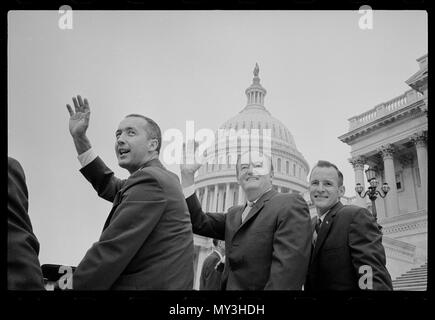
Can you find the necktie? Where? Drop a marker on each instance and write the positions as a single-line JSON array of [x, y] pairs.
[[318, 224], [246, 211], [317, 229]]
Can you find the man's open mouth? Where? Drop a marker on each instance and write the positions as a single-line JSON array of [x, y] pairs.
[[123, 152]]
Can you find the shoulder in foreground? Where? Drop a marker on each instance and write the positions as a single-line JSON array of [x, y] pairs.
[[145, 175], [13, 162], [354, 210], [157, 171], [288, 197], [14, 165]]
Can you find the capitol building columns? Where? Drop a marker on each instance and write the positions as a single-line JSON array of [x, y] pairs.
[[228, 198], [204, 199], [392, 200], [420, 141], [358, 166]]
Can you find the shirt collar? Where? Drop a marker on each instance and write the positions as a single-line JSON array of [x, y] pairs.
[[322, 217]]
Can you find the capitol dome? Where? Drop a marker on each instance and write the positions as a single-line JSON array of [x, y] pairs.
[[216, 183]]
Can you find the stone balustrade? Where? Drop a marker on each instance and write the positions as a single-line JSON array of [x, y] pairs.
[[384, 108]]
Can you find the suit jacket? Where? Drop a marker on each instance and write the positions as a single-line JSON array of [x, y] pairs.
[[348, 239], [147, 240], [211, 279], [270, 250], [24, 269]]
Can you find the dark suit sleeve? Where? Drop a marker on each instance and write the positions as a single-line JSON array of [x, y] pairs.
[[291, 247], [102, 179], [135, 217], [210, 225], [365, 242], [24, 269]]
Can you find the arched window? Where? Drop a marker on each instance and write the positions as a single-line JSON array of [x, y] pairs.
[[279, 165], [287, 167]]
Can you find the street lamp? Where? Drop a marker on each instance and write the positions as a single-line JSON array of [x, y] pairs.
[[372, 191]]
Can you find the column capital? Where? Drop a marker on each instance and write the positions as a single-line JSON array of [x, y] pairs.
[[386, 151], [358, 162], [406, 160], [419, 139]]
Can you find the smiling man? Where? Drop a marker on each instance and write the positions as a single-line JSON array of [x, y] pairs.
[[347, 244], [267, 239], [147, 240]]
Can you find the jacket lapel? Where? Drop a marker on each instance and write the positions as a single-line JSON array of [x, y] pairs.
[[326, 226], [152, 163], [255, 209], [238, 216]]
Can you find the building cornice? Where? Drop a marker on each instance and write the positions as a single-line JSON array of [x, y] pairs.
[[408, 111]]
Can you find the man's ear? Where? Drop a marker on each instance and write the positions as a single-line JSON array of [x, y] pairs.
[[153, 144], [341, 191]]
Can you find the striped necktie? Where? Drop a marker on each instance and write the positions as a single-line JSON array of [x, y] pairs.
[[316, 230]]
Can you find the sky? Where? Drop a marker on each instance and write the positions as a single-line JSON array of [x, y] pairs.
[[319, 69]]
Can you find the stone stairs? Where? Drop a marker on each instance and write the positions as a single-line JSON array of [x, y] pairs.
[[413, 280]]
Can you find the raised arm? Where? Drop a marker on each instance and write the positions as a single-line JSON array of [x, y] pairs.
[[94, 169], [79, 123], [208, 224], [205, 224]]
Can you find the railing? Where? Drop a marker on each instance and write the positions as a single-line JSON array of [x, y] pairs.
[[385, 108]]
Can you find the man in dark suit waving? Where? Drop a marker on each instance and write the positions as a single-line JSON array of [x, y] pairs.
[[267, 239], [147, 240], [348, 253]]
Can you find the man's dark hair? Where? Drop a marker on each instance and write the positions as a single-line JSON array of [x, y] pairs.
[[327, 164], [152, 129]]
